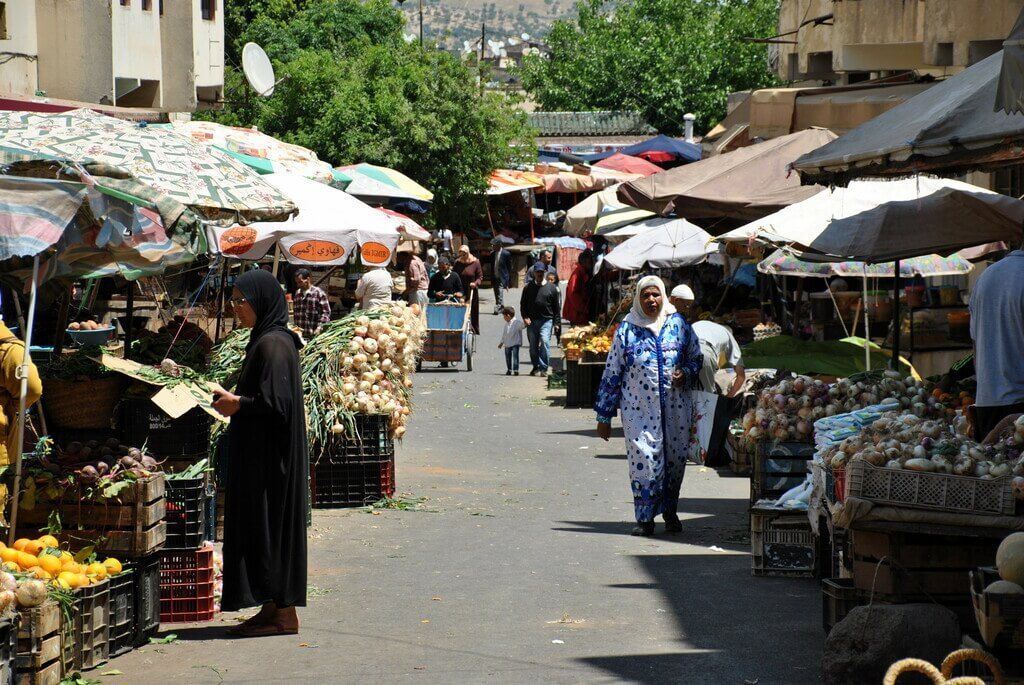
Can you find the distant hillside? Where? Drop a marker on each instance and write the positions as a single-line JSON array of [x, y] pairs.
[[450, 22]]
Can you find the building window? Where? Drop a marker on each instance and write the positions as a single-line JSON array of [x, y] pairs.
[[147, 5], [793, 66], [3, 21], [978, 50], [209, 9], [126, 3], [1009, 181], [944, 54]]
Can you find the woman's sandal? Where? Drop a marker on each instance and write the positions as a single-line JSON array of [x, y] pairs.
[[672, 523], [644, 529]]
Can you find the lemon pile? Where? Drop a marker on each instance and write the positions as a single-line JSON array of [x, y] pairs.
[[43, 559]]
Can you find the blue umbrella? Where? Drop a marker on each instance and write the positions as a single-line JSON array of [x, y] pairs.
[[660, 147]]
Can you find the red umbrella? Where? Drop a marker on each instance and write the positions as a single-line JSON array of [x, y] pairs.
[[407, 227], [630, 165]]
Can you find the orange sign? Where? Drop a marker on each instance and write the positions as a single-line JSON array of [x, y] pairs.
[[375, 253], [317, 251], [237, 240]]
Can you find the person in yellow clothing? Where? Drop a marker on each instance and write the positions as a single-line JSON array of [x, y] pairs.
[[12, 355]]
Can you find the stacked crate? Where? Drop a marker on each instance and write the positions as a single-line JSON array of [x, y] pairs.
[[779, 467], [356, 470], [38, 660]]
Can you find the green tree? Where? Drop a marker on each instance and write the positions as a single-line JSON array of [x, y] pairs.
[[662, 58], [355, 91]]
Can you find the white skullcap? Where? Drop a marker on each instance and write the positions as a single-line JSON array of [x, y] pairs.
[[682, 292]]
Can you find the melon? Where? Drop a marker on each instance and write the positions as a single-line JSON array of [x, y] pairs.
[[1010, 558], [1004, 587]]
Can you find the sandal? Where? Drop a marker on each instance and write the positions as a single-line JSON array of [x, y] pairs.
[[672, 523]]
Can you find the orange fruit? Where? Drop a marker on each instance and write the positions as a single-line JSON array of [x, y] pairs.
[[33, 547], [82, 580], [26, 560], [11, 567], [113, 566], [63, 583], [65, 558], [3, 546], [20, 543], [97, 569], [8, 554], [49, 541], [50, 564]]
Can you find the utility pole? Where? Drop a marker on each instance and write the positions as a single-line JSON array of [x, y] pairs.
[[480, 62], [421, 24]]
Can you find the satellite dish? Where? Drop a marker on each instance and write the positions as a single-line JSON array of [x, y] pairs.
[[259, 72]]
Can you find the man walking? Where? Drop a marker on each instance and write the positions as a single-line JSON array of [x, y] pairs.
[[501, 273], [539, 306], [310, 305]]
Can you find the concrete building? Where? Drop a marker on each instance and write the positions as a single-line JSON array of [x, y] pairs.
[[159, 54], [848, 41]]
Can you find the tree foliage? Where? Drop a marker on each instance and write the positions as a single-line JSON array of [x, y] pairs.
[[355, 91], [662, 58]]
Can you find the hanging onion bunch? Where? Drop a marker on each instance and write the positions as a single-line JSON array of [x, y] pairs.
[[788, 410], [361, 364]]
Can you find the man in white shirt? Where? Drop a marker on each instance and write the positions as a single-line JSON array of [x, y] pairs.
[[445, 237], [717, 344], [374, 288]]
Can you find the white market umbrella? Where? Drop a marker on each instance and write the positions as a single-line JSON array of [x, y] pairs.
[[664, 244], [328, 228]]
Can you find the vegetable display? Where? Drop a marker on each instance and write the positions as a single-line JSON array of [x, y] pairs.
[[78, 365], [361, 364], [788, 410], [907, 441]]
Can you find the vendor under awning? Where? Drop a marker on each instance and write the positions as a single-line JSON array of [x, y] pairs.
[[997, 328]]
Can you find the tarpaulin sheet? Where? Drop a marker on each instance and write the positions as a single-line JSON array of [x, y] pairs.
[[830, 358]]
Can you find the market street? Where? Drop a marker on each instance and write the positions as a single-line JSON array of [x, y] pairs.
[[519, 568]]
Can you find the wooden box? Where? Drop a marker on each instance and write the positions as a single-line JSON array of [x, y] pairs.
[[39, 645]]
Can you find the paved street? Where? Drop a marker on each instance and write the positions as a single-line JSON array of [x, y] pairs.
[[519, 567]]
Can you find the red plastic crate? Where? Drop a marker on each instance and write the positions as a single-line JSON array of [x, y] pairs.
[[186, 586]]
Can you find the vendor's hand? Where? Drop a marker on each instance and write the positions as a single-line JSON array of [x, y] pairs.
[[1000, 429], [604, 431], [678, 378], [526, 322], [500, 345], [226, 403]]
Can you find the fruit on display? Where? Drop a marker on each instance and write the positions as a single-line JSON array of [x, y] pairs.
[[93, 464], [1010, 558]]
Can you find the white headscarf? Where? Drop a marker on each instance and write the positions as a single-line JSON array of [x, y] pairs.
[[637, 317]]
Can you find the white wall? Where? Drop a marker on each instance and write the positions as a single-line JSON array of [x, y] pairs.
[[18, 76], [136, 40], [208, 46]]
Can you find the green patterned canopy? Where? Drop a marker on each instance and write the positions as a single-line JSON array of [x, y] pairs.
[[121, 153]]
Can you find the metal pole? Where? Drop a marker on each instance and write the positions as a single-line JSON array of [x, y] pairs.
[[867, 326], [23, 371], [129, 325], [896, 317]]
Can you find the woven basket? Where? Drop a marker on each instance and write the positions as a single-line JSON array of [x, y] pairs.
[[82, 404]]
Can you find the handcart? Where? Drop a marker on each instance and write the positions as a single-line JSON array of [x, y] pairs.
[[449, 335]]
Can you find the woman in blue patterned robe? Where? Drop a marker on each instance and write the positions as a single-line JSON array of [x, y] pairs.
[[652, 345]]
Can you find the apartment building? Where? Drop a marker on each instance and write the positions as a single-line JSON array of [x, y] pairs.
[[848, 41], [159, 54]]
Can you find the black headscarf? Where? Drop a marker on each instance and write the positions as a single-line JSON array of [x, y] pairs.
[[264, 295]]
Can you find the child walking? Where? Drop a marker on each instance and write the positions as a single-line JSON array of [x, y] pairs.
[[511, 340]]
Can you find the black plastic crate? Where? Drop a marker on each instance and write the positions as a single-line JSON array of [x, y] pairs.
[[186, 512], [210, 531], [143, 423], [371, 442], [779, 467], [838, 598], [8, 650], [146, 598], [89, 643], [351, 484], [122, 612], [581, 384]]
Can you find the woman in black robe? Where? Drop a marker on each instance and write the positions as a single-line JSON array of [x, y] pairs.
[[268, 466]]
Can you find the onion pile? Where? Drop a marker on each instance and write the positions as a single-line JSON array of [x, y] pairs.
[[361, 364], [907, 441], [788, 410]]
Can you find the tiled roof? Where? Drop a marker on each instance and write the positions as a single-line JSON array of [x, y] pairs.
[[590, 124]]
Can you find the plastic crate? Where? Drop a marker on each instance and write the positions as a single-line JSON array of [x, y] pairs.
[[186, 586], [146, 598], [8, 651], [782, 543], [122, 612], [143, 423], [581, 384], [88, 645], [372, 442], [352, 484], [936, 491], [778, 467], [186, 512], [838, 598], [210, 531]]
